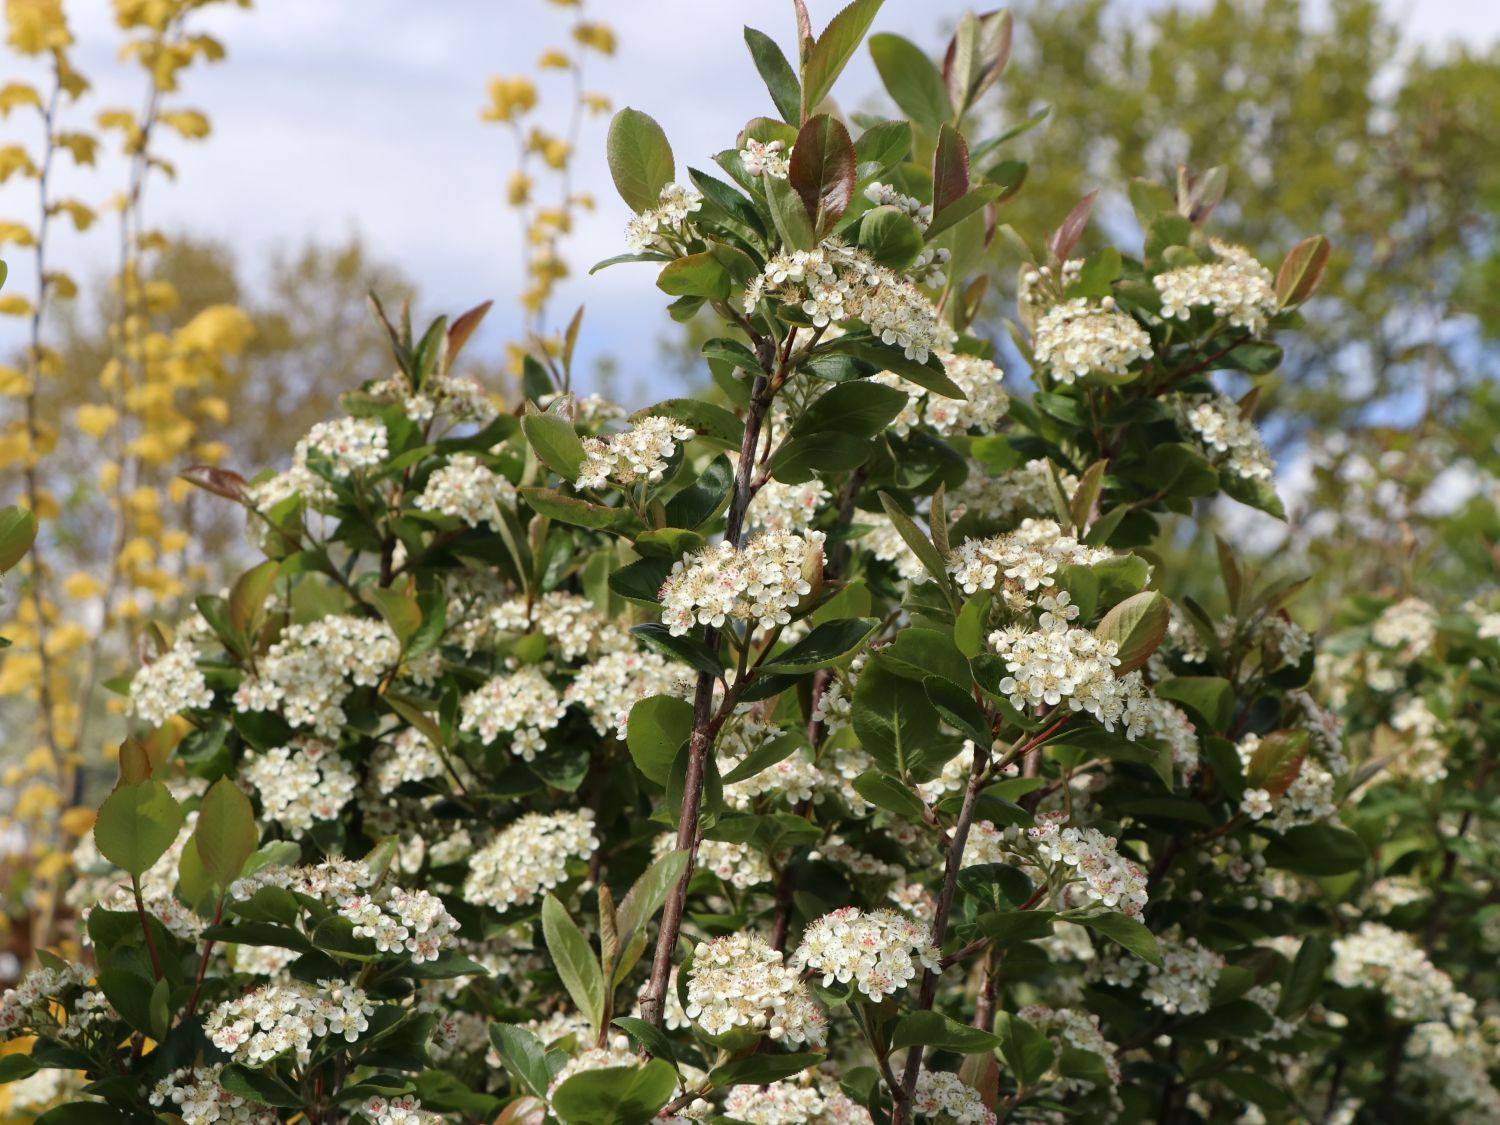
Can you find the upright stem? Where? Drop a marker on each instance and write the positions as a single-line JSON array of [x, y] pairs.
[[951, 867], [140, 910], [706, 721]]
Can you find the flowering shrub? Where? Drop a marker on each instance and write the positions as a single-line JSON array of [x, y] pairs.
[[824, 750]]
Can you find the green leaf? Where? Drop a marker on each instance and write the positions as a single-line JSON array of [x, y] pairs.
[[891, 236], [789, 214], [658, 727], [648, 893], [225, 834], [556, 443], [258, 1085], [883, 145], [687, 649], [14, 1067], [523, 1056], [885, 357], [695, 275], [616, 1095], [136, 825], [400, 611], [650, 1037], [766, 755], [705, 418], [578, 513], [705, 498], [759, 1070], [958, 708], [801, 456], [1137, 625], [825, 646], [1026, 1050], [933, 1029], [889, 794], [892, 717], [640, 159], [1304, 976], [1211, 697], [822, 171], [969, 630], [1125, 932], [17, 533], [921, 546], [912, 79], [777, 73], [574, 959], [834, 48], [1317, 849], [85, 1113], [1011, 927], [973, 200], [1277, 761]]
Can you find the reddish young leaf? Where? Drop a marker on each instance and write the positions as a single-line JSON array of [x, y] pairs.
[[1302, 270], [950, 169], [822, 171], [1066, 237]]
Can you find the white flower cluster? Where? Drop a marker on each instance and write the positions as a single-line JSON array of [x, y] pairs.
[[1079, 1030], [275, 1019], [1391, 961], [1021, 561], [1169, 724], [1307, 800], [639, 453], [609, 687], [1423, 755], [30, 1005], [983, 406], [772, 158], [566, 619], [763, 582], [1014, 495], [1235, 286], [398, 920], [1107, 877], [836, 283], [1058, 663], [1185, 980], [347, 445], [737, 865], [1227, 438], [1077, 338], [1409, 626], [739, 981], [884, 542], [1040, 289], [458, 396], [1454, 1067], [837, 850], [648, 230], [169, 685], [810, 1100], [306, 674], [194, 1095], [299, 784], [786, 507], [410, 756], [522, 704], [469, 490], [794, 778], [884, 195], [528, 857], [880, 951], [942, 1094], [403, 1110]]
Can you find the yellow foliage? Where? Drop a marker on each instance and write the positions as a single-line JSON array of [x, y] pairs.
[[597, 103], [109, 476], [509, 97], [13, 304], [15, 94], [77, 821], [82, 585], [82, 215], [518, 192], [190, 123], [13, 159], [36, 26], [17, 233], [214, 408], [143, 501], [554, 60], [175, 542], [50, 866], [36, 800], [137, 553], [61, 285], [14, 383], [66, 637], [599, 36], [95, 419], [160, 296], [217, 330], [210, 452], [82, 146]]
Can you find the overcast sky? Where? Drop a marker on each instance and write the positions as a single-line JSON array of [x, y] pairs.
[[337, 116]]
